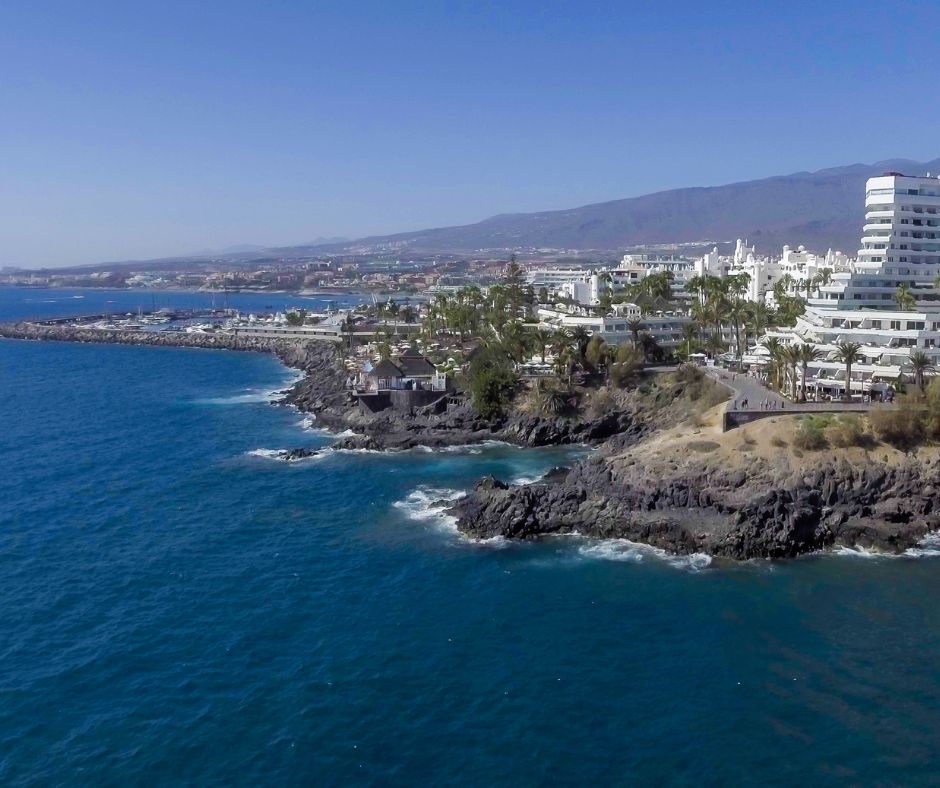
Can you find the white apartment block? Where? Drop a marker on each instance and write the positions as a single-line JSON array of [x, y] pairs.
[[665, 328], [900, 245]]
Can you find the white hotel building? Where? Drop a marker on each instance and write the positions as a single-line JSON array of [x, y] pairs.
[[900, 245]]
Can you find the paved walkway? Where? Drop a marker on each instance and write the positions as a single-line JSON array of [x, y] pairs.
[[751, 391]]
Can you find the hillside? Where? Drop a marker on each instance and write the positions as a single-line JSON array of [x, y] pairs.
[[818, 209]]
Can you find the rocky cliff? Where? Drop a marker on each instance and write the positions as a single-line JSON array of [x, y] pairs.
[[752, 507]]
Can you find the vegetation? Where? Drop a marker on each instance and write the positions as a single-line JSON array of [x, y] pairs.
[[904, 298], [492, 382], [921, 365], [297, 318], [846, 431], [848, 353], [809, 434]]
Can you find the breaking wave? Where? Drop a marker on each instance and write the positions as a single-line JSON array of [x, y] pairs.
[[429, 504], [633, 552]]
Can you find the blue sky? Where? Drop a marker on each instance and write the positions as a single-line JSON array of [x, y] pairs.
[[145, 129]]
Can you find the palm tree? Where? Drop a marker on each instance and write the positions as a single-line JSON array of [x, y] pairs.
[[737, 313], [759, 317], [543, 338], [689, 333], [515, 339], [904, 298], [782, 287], [564, 363], [715, 345], [848, 353], [808, 354], [348, 326], [921, 365], [823, 278], [580, 337], [635, 326], [791, 357], [775, 349]]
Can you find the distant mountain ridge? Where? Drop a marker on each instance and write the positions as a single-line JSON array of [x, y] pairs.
[[819, 209]]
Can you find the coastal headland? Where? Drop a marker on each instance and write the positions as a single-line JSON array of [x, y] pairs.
[[663, 473]]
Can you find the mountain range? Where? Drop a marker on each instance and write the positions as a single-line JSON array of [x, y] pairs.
[[820, 210]]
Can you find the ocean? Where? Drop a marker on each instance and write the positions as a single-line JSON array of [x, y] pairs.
[[176, 606]]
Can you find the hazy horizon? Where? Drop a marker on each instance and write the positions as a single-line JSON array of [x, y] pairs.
[[140, 133]]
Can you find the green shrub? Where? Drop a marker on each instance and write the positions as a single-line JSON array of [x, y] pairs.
[[626, 365], [902, 427], [846, 431], [492, 383], [809, 436]]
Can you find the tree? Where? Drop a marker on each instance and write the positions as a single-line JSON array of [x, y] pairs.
[[348, 327], [905, 298], [848, 353], [775, 348], [689, 333], [543, 295], [564, 363], [580, 337], [542, 339], [808, 354], [625, 365], [652, 351], [297, 318], [553, 401], [596, 353], [783, 286], [737, 313], [514, 281], [515, 339], [635, 326], [791, 357], [561, 339], [715, 345], [758, 318], [492, 382], [921, 364]]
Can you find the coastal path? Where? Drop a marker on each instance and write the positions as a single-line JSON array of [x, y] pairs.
[[752, 400]]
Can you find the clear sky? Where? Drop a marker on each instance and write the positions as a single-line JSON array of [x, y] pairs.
[[151, 128]]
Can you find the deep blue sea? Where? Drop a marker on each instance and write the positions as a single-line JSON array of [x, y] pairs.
[[177, 607]]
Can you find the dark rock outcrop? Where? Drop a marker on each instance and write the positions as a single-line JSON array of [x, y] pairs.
[[760, 513]]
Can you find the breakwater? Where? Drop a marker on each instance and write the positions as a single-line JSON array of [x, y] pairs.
[[64, 332]]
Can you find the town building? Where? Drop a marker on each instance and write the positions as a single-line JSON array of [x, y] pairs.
[[900, 247]]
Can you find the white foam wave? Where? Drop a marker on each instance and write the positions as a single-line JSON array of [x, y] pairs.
[[525, 480], [634, 552], [858, 551], [429, 504], [281, 455], [249, 397], [928, 547], [295, 377]]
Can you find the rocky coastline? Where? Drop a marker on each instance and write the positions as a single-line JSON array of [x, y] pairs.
[[735, 506], [732, 513]]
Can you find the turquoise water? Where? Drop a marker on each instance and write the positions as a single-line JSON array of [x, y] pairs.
[[176, 606]]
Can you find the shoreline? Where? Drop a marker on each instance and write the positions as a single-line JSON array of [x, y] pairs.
[[646, 481]]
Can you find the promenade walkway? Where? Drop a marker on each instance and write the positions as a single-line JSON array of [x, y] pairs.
[[752, 400]]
